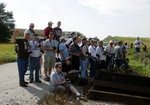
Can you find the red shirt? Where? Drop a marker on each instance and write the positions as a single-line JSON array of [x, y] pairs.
[[47, 30]]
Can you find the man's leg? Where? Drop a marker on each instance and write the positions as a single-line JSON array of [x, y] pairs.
[[32, 65], [37, 67]]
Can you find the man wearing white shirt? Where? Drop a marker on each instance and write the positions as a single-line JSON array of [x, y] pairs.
[[35, 47], [101, 57], [70, 40], [93, 59], [109, 51], [30, 30], [137, 44]]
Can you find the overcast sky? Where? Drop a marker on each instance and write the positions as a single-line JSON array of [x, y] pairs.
[[90, 17]]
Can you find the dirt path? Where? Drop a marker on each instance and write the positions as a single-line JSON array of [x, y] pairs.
[[10, 91]]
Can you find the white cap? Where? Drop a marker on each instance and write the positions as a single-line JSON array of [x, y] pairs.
[[111, 41], [50, 22]]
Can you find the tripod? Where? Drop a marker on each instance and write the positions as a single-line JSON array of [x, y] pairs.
[[112, 64]]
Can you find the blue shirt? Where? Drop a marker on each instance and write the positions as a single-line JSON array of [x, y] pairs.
[[63, 47]]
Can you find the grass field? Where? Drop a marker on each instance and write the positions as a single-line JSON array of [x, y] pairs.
[[138, 62], [7, 53]]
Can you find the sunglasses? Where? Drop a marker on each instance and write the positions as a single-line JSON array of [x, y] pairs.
[[60, 67]]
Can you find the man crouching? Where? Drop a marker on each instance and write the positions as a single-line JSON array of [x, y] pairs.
[[58, 82]]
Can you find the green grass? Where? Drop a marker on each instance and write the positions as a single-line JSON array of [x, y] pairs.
[[7, 53]]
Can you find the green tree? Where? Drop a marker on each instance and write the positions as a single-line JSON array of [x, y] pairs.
[[6, 24]]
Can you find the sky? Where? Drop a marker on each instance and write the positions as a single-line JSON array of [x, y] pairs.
[[127, 18]]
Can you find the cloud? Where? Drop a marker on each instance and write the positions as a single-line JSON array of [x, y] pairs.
[[116, 7]]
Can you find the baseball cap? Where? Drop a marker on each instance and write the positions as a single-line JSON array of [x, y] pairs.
[[50, 22], [111, 41], [61, 39], [31, 24], [51, 33]]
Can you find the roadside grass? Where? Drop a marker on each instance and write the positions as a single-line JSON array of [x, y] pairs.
[[7, 53]]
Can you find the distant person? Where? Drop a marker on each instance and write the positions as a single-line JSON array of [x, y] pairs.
[[22, 55], [137, 44], [30, 30], [126, 46], [48, 29], [58, 82], [70, 40], [50, 47], [125, 67], [109, 51], [35, 48], [58, 31]]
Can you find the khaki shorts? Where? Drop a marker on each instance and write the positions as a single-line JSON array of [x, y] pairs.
[[49, 62]]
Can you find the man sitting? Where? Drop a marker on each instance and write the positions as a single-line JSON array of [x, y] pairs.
[[58, 82]]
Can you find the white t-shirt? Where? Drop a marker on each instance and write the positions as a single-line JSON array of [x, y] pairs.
[[100, 51], [92, 50], [109, 49], [137, 43], [34, 48], [70, 40]]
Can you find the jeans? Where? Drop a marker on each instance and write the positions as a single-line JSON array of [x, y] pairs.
[[34, 64], [22, 67], [84, 64], [93, 67]]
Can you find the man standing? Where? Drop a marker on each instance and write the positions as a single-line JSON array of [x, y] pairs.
[[35, 47], [137, 44], [84, 58], [109, 51], [58, 31], [101, 57], [48, 29], [50, 47], [30, 30], [118, 54], [93, 59], [63, 50], [22, 56], [74, 51]]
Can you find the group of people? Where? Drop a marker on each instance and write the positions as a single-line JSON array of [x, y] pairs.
[[76, 54]]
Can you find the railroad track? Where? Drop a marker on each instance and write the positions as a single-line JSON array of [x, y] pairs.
[[127, 89]]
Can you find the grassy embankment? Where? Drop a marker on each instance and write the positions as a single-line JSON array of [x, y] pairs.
[[138, 62]]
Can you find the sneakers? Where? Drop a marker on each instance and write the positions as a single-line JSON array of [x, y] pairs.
[[47, 78], [23, 84]]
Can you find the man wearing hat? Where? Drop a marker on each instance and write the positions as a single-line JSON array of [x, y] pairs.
[[48, 29], [109, 51], [63, 50], [50, 47], [30, 30], [35, 47]]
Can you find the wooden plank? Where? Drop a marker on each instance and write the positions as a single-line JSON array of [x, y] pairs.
[[127, 87], [117, 97]]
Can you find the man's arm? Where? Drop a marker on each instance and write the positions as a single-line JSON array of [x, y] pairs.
[[16, 32], [60, 83]]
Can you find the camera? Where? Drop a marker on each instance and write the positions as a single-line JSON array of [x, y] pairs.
[[41, 39], [54, 48], [97, 55], [29, 52]]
